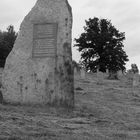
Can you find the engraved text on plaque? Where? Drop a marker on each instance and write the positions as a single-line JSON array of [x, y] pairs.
[[44, 40]]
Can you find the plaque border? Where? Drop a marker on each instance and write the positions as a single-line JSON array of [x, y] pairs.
[[55, 37]]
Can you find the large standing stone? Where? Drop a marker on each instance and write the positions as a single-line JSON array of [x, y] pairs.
[[39, 68]]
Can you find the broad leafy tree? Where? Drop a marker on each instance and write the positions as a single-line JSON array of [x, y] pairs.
[[101, 46], [7, 39], [134, 69]]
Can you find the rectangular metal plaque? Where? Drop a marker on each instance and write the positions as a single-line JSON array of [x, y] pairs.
[[44, 40]]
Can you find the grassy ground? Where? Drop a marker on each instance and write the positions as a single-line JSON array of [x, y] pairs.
[[104, 110]]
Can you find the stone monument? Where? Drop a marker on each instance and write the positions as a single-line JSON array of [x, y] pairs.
[[39, 68], [136, 79], [120, 73], [83, 73], [100, 75]]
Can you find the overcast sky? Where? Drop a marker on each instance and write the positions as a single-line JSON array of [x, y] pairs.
[[124, 15]]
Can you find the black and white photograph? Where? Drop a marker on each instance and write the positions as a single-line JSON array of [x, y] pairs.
[[69, 70]]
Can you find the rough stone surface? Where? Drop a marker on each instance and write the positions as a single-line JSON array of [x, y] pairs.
[[136, 79], [1, 70], [1, 97], [100, 75], [120, 73], [39, 68], [83, 73]]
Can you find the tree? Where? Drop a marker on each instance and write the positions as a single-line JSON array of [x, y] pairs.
[[134, 69], [7, 39], [101, 46]]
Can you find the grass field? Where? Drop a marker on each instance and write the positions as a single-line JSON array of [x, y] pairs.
[[104, 110]]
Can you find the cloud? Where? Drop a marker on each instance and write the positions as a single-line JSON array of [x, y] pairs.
[[124, 14], [13, 12]]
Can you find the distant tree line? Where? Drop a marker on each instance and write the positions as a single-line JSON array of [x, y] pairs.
[[7, 39]]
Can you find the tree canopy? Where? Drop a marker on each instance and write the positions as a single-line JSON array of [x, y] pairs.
[[101, 46], [134, 69], [7, 39]]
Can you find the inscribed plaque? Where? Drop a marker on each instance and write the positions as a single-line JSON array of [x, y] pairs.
[[44, 40]]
